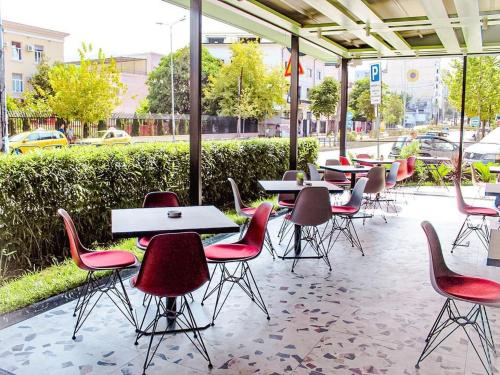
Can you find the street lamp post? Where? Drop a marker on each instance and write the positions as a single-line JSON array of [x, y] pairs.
[[172, 97]]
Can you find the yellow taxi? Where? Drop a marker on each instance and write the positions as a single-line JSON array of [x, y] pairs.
[[109, 137], [40, 138]]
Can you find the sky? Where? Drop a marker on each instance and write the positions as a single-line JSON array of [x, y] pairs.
[[119, 27]]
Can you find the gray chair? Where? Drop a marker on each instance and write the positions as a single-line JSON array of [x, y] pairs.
[[287, 201], [313, 172], [337, 178], [374, 187]]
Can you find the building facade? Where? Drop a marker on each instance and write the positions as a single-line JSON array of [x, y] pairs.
[[25, 46]]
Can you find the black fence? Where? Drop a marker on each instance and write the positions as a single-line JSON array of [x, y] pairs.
[[150, 125]]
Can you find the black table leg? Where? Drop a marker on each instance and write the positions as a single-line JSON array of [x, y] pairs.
[[298, 239], [353, 180]]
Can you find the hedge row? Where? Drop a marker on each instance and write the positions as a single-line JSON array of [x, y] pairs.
[[89, 182]]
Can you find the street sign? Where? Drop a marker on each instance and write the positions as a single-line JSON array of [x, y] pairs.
[[288, 70], [375, 84]]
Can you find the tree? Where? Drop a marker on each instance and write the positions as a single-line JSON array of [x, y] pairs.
[[324, 99], [359, 99], [392, 108], [482, 89], [244, 87], [40, 81], [159, 96], [88, 91]]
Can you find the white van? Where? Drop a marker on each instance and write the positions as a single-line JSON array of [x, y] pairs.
[[487, 150]]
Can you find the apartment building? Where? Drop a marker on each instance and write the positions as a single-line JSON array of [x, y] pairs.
[[25, 46]]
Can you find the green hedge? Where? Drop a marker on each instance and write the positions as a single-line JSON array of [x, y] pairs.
[[89, 182]]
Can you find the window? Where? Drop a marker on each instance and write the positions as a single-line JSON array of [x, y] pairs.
[[33, 137], [215, 40], [38, 54], [309, 72], [16, 51], [17, 82], [46, 136], [319, 74]]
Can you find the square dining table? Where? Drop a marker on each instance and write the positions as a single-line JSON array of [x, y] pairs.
[[374, 162], [291, 187], [352, 169]]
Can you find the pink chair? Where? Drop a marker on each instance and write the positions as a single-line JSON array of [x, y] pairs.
[[94, 261], [402, 171], [312, 208], [363, 156], [247, 213], [410, 164], [456, 287], [157, 199], [174, 265], [468, 227], [239, 253], [334, 177], [342, 220]]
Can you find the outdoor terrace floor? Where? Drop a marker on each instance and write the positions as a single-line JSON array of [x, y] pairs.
[[369, 316]]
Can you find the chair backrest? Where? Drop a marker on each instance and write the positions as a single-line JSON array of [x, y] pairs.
[[313, 172], [344, 160], [75, 246], [473, 175], [438, 267], [357, 193], [256, 232], [363, 156], [376, 180], [393, 173], [460, 198], [161, 199], [334, 175], [402, 171], [410, 164], [238, 203], [312, 206], [174, 264], [290, 175]]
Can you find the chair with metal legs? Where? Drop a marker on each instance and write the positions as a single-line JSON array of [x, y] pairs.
[[157, 199], [174, 266], [342, 219], [94, 261], [468, 227], [456, 287], [232, 262], [312, 209], [373, 190], [390, 185], [247, 213], [335, 177], [313, 172]]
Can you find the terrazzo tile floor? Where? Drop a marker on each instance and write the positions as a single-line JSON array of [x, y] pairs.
[[370, 315]]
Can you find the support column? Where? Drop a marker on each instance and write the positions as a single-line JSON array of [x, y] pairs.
[[195, 103], [344, 81], [462, 118], [294, 101]]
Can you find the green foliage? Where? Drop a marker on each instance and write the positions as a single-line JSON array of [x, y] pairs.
[[244, 88], [392, 109], [352, 136], [40, 82], [324, 98], [143, 108], [12, 104], [359, 100], [159, 96], [442, 171], [87, 92], [483, 171], [411, 149], [88, 182], [135, 127], [483, 86]]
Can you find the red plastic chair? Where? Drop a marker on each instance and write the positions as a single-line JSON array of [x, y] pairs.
[[410, 164], [240, 252], [468, 227], [343, 215], [478, 291], [311, 210], [248, 212], [157, 199], [363, 156], [344, 160], [402, 171], [94, 261], [174, 265]]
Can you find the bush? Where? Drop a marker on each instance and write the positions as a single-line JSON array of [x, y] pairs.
[[352, 136], [88, 182]]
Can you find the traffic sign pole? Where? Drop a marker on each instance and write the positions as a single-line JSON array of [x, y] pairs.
[[376, 97]]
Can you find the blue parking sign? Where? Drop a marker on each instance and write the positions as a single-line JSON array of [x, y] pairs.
[[375, 72]]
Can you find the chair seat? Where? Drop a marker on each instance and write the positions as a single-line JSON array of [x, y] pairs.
[[229, 252], [143, 242], [472, 289], [362, 174], [390, 185], [108, 259], [481, 211], [339, 210], [288, 204], [250, 211]]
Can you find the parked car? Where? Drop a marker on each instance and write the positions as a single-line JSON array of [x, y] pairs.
[[430, 145], [29, 141], [109, 137], [487, 150]]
